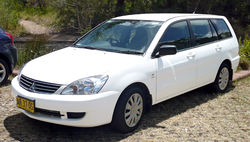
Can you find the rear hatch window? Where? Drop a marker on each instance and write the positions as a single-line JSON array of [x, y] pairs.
[[1, 30]]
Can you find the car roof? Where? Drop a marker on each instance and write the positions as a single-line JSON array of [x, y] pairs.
[[163, 16]]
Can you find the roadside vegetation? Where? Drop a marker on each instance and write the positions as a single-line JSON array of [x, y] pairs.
[[78, 17], [75, 16], [32, 49], [244, 53], [11, 11]]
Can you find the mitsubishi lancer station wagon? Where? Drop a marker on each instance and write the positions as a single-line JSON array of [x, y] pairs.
[[114, 73]]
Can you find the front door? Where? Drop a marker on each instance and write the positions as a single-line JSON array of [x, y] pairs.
[[176, 73]]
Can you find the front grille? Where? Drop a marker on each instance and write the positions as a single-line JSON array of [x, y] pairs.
[[33, 85]]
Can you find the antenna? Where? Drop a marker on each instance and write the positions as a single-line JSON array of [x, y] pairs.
[[197, 5]]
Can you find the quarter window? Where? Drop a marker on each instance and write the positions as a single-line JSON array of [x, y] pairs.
[[1, 31], [222, 28], [215, 36], [177, 34], [202, 31]]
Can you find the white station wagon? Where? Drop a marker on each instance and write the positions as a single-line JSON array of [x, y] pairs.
[[119, 69]]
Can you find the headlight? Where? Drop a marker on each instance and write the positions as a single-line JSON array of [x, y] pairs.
[[86, 86]]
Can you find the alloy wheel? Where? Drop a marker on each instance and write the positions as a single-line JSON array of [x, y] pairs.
[[2, 72], [133, 110], [223, 78]]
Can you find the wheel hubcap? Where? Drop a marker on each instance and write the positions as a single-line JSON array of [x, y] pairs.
[[133, 110], [223, 78], [2, 72]]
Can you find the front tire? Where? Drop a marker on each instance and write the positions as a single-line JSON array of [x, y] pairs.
[[223, 79], [129, 110], [4, 72]]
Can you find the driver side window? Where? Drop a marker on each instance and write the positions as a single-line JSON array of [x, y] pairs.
[[177, 34]]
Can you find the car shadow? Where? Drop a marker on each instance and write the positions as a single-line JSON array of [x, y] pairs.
[[7, 83], [22, 128]]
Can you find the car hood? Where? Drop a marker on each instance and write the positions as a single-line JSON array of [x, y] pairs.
[[70, 64]]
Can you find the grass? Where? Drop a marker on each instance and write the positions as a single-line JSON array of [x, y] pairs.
[[32, 49], [11, 11], [244, 52]]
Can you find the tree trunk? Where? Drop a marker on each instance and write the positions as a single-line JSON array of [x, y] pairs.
[[119, 9], [78, 17]]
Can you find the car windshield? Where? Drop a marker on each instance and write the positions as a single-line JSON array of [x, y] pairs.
[[123, 36]]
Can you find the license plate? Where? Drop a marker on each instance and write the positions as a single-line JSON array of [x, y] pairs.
[[25, 104]]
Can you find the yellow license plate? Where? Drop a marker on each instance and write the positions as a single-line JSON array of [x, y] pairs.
[[25, 104]]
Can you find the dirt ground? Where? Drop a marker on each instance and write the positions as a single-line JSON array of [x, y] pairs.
[[199, 115], [34, 28]]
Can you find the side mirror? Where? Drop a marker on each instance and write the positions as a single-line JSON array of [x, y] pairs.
[[167, 50]]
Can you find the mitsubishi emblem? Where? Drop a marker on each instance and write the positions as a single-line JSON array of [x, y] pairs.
[[32, 87]]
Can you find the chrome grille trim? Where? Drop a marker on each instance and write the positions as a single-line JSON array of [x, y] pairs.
[[33, 85]]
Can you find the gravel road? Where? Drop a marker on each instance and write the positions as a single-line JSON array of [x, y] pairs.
[[199, 115]]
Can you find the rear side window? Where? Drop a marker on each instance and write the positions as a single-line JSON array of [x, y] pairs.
[[1, 30], [222, 28], [177, 34], [202, 31]]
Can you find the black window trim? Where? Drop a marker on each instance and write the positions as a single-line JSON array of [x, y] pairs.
[[162, 43], [218, 39], [192, 39], [212, 26]]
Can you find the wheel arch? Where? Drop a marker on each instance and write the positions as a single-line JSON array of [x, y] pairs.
[[148, 96], [229, 63]]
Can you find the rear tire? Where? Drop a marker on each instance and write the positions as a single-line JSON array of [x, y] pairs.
[[4, 72], [129, 110], [223, 79]]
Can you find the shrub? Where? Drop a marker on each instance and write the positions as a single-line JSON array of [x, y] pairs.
[[32, 49], [244, 52]]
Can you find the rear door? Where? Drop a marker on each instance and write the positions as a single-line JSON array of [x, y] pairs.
[[207, 48]]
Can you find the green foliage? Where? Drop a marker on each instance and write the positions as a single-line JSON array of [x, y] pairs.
[[78, 16], [32, 49], [244, 52], [9, 14], [137, 6], [244, 46], [11, 11]]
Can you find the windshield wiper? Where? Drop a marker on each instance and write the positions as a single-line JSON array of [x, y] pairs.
[[130, 52], [117, 51], [87, 47]]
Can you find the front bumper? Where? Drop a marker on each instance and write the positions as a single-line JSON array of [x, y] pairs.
[[98, 108]]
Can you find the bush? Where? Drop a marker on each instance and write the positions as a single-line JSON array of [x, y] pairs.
[[32, 49], [244, 52], [9, 15]]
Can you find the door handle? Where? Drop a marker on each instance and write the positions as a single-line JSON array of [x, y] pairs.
[[218, 48], [191, 55]]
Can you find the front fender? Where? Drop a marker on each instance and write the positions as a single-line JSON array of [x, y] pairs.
[[121, 83]]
